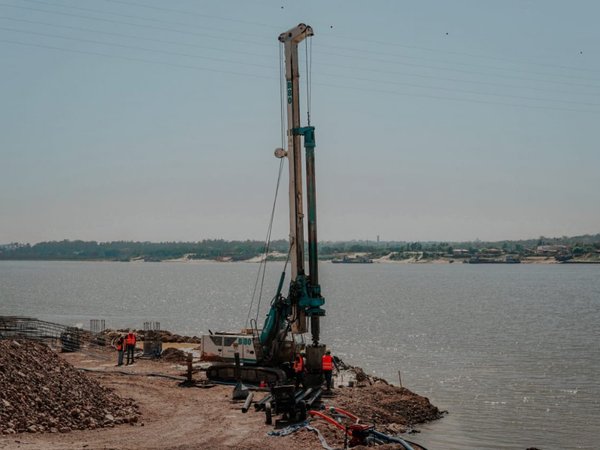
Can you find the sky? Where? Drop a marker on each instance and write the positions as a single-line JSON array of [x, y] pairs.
[[435, 121]]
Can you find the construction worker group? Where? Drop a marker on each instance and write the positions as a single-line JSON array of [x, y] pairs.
[[327, 365], [126, 345]]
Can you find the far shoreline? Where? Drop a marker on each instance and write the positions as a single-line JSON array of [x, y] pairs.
[[255, 260]]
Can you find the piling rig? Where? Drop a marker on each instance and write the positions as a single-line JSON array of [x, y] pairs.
[[265, 350]]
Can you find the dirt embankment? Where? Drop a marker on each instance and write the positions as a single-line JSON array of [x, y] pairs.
[[41, 392], [392, 408]]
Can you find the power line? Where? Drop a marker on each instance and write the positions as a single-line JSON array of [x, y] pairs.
[[461, 70], [520, 105], [462, 100], [135, 47], [193, 13], [148, 19], [131, 36], [151, 27], [360, 39], [245, 41], [135, 59], [379, 71], [354, 50], [471, 55], [362, 79], [463, 91], [458, 80]]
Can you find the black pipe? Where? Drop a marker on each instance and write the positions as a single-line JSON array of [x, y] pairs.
[[247, 402], [261, 403], [311, 400], [304, 394]]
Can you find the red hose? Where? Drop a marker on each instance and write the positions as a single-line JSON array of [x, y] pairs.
[[346, 413], [330, 420]]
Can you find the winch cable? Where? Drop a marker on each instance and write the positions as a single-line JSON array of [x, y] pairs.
[[263, 264], [262, 268], [268, 244]]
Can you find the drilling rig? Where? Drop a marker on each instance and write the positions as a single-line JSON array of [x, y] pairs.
[[264, 351]]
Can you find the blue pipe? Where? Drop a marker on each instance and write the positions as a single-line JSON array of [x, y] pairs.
[[396, 440]]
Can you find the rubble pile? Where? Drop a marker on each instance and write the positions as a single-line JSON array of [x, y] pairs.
[[174, 355], [390, 408], [165, 336], [41, 392]]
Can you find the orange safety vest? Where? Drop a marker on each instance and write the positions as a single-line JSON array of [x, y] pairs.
[[327, 362], [119, 347], [299, 364], [130, 339]]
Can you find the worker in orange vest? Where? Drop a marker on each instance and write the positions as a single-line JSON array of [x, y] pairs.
[[299, 369], [120, 348], [130, 341], [327, 365]]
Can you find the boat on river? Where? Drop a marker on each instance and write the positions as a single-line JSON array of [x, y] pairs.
[[353, 260]]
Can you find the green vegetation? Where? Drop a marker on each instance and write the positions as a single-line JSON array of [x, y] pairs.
[[149, 251], [563, 249]]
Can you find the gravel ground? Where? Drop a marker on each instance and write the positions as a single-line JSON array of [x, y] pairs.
[[172, 417]]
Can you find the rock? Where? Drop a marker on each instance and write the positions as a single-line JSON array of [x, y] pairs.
[[64, 429]]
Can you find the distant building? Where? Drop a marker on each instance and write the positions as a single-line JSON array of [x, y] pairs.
[[491, 251], [460, 252], [551, 249]]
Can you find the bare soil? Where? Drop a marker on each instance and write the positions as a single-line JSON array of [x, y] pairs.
[[178, 418]]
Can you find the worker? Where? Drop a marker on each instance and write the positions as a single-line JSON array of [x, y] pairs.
[[130, 346], [299, 369], [327, 365], [119, 344]]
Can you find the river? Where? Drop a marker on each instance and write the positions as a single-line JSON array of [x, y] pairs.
[[511, 351]]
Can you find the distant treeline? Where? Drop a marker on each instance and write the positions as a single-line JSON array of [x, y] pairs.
[[149, 251], [219, 249]]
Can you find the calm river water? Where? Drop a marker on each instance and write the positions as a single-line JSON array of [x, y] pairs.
[[511, 351]]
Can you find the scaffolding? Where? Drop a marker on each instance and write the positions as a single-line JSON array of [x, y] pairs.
[[97, 326], [152, 339], [19, 327]]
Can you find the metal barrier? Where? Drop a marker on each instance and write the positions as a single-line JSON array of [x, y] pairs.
[[19, 327]]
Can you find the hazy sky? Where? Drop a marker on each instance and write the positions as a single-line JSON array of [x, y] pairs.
[[435, 120]]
